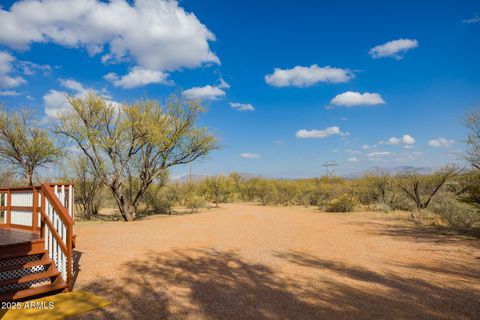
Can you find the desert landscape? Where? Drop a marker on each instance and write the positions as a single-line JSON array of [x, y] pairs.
[[245, 261], [211, 160]]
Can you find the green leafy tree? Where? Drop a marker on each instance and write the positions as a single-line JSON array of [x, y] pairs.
[[217, 189], [129, 146], [24, 145]]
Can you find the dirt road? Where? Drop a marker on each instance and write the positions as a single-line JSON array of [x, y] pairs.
[[252, 262]]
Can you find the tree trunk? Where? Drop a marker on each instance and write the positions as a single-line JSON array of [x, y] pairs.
[[29, 178], [128, 212]]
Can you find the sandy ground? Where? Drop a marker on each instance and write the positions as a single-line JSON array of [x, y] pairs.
[[251, 262]]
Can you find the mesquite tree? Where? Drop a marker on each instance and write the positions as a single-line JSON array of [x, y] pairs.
[[421, 188], [130, 145], [24, 145]]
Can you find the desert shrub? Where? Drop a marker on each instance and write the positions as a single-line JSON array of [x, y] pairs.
[[160, 199], [195, 202], [455, 213], [344, 203], [216, 189]]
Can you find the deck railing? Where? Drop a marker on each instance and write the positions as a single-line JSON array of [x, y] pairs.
[[47, 208], [20, 206]]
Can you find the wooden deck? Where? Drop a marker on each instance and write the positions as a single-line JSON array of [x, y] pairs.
[[10, 236]]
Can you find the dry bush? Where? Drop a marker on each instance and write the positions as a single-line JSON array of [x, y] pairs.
[[344, 203]]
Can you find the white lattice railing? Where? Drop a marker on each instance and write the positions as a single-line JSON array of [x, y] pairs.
[[17, 204], [49, 209]]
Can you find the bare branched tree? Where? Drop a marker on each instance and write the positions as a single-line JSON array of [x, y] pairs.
[[130, 145], [421, 188]]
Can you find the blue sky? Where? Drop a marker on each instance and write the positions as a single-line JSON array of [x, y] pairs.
[[379, 83]]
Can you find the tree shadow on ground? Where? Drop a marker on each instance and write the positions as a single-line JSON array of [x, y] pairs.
[[212, 284], [427, 234], [408, 297]]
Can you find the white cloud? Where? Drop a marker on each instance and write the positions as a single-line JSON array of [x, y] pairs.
[[394, 140], [405, 139], [55, 102], [408, 139], [474, 19], [207, 92], [137, 77], [320, 133], [73, 85], [441, 142], [242, 106], [7, 80], [378, 154], [365, 147], [250, 155], [223, 84], [156, 35], [351, 98], [352, 159], [395, 48], [30, 68], [307, 76], [9, 93]]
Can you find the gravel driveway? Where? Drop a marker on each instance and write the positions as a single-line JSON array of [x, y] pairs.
[[244, 261]]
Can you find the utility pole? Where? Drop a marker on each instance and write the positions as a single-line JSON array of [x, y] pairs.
[[190, 175], [330, 168]]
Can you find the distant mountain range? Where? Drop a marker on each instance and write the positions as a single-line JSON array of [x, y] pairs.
[[199, 177], [392, 170]]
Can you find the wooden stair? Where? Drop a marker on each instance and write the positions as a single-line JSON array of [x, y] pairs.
[[26, 271]]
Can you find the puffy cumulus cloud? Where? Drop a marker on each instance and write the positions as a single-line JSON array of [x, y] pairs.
[[405, 139], [7, 80], [137, 77], [207, 92], [329, 131], [56, 101], [242, 106], [394, 48], [155, 34], [441, 142], [352, 99], [247, 155], [307, 76]]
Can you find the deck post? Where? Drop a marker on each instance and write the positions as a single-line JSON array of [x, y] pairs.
[[34, 210], [9, 207], [42, 210]]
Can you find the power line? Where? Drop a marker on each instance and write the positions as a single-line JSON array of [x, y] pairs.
[[330, 168]]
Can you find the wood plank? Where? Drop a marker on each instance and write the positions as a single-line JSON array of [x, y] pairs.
[[52, 272], [27, 265], [9, 236], [31, 292]]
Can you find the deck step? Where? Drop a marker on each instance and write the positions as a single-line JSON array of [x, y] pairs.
[[30, 251], [31, 277], [31, 292], [27, 265]]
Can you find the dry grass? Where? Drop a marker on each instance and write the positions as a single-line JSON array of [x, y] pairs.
[[250, 262]]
